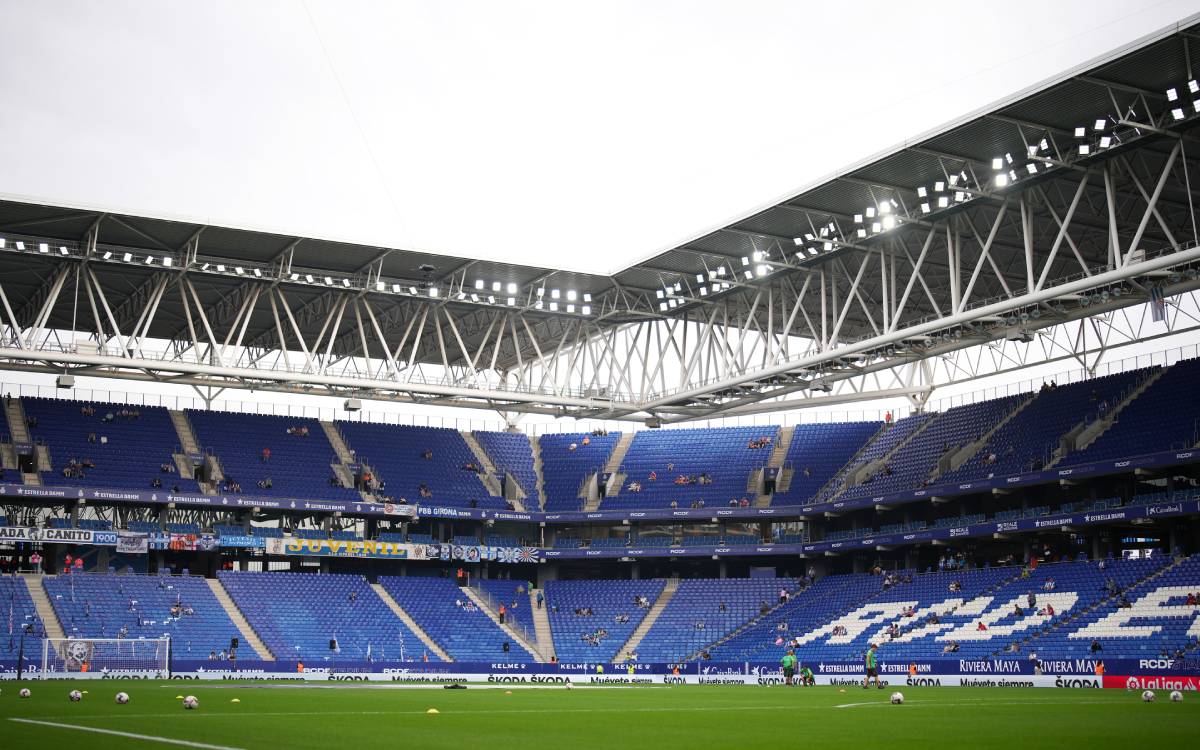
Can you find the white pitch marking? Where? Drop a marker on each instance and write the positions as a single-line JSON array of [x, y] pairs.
[[128, 735]]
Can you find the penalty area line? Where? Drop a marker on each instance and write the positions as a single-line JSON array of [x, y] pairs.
[[126, 735]]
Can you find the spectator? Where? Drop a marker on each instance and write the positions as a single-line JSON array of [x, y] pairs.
[[266, 455], [1095, 648]]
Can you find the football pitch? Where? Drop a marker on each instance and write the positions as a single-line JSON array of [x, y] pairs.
[[306, 716]]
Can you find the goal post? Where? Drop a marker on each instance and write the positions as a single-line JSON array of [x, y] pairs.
[[105, 657]]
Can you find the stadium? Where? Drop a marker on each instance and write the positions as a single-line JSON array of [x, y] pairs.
[[303, 442]]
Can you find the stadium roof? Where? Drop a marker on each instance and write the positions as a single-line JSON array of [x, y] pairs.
[[730, 266]]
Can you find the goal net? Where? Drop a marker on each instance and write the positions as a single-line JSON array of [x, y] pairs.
[[78, 657]]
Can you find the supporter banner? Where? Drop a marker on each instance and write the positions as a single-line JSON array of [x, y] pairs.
[[342, 548], [79, 536], [131, 543], [57, 536], [184, 542], [236, 540], [18, 534]]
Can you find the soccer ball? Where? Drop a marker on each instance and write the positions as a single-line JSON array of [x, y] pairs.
[[897, 698], [1148, 696], [570, 685], [1176, 696], [75, 696], [122, 698], [24, 693], [190, 702]]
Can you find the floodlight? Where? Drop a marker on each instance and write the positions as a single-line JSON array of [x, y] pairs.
[[662, 306], [922, 192], [749, 275], [1084, 149], [495, 286], [396, 288], [479, 283], [43, 247], [241, 271], [108, 255], [1044, 145], [379, 285], [2, 243], [474, 297], [554, 306], [1193, 86], [939, 186], [1105, 141], [328, 281], [1177, 113], [1099, 125], [703, 291], [491, 299], [885, 208], [587, 310], [798, 240], [1080, 132], [858, 219], [308, 277], [1031, 149], [960, 196], [511, 288], [876, 227], [678, 287], [587, 296], [699, 278], [541, 291], [538, 305], [870, 212], [463, 295], [555, 294], [572, 294], [511, 301], [943, 201], [761, 270], [924, 208], [1196, 105], [20, 245], [997, 163], [257, 271], [1031, 168], [862, 233], [889, 222], [149, 260], [826, 247], [1012, 175], [412, 290], [570, 308], [745, 261], [62, 250], [1172, 94], [722, 271], [433, 292], [346, 283], [658, 293]]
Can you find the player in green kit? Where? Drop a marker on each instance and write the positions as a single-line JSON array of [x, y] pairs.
[[872, 669], [806, 676], [788, 662]]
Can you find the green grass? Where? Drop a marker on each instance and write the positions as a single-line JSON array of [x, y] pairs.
[[663, 717]]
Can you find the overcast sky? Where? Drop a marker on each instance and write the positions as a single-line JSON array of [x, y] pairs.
[[582, 136]]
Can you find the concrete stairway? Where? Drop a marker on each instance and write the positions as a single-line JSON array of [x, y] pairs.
[[618, 455], [965, 453], [779, 451], [397, 610], [345, 458], [648, 621], [541, 625], [184, 431], [520, 638], [1092, 432], [248, 636], [16, 420], [41, 602], [8, 456], [538, 467], [871, 467]]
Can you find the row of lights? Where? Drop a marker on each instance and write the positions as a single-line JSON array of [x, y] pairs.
[[45, 248], [1176, 105], [712, 281]]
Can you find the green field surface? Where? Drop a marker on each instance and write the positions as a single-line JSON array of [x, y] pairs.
[[700, 716]]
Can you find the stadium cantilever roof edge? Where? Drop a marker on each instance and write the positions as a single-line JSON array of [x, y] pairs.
[[1067, 202]]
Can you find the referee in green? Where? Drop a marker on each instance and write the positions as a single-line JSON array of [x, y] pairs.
[[788, 662], [872, 668]]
